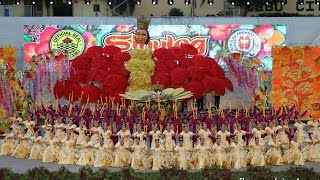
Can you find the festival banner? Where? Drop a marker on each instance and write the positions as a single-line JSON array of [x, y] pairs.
[[210, 40]]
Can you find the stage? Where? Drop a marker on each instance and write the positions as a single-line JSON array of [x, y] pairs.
[[23, 165]]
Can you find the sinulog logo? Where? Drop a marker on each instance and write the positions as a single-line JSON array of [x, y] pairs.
[[245, 41], [68, 40]]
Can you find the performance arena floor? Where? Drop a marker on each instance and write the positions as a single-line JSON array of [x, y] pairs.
[[22, 165]]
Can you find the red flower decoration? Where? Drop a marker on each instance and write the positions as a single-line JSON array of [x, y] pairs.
[[94, 51], [110, 50], [58, 89], [116, 82], [161, 78], [189, 49], [162, 54], [179, 76], [120, 58], [90, 92], [73, 90], [81, 63], [196, 88], [78, 76]]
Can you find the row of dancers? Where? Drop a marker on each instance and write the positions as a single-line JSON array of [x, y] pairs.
[[158, 148]]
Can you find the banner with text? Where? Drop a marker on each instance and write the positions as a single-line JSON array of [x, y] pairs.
[[252, 40]]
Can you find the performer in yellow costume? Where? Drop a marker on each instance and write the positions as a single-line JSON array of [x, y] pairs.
[[202, 154], [256, 156], [239, 133], [86, 153], [237, 154], [67, 152], [157, 156], [82, 129], [141, 66], [8, 146], [106, 134], [29, 124], [23, 148], [50, 153], [204, 133], [273, 155], [294, 154], [138, 157], [121, 154], [169, 143], [184, 156], [220, 154], [37, 148]]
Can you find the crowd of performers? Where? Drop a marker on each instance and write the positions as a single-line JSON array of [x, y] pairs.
[[122, 138]]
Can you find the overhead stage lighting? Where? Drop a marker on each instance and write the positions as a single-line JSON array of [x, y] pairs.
[[210, 2], [170, 2], [87, 2], [232, 3], [109, 2], [154, 2], [138, 2], [33, 2], [187, 2], [51, 2]]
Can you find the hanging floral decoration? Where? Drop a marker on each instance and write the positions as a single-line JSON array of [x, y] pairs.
[[42, 72]]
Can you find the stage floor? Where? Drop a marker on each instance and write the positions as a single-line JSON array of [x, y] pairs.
[[22, 165]]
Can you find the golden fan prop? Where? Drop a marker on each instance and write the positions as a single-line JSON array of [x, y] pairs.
[[169, 94]]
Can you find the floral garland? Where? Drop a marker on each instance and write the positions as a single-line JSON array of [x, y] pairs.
[[42, 72], [249, 73], [7, 78]]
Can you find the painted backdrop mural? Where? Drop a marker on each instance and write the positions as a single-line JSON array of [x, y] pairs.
[[250, 40]]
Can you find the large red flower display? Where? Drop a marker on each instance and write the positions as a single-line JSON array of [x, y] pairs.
[[100, 73]]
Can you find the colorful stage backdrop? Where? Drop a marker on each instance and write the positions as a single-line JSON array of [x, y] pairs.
[[296, 78], [254, 40]]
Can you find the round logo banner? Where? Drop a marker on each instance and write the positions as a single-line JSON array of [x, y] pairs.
[[245, 41], [68, 40]]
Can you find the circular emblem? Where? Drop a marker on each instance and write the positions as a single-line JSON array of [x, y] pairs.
[[245, 41], [68, 40]]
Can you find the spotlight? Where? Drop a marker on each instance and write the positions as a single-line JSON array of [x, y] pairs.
[[170, 2], [17, 2], [232, 3], [154, 2], [33, 2], [317, 2], [110, 2], [187, 2], [267, 2], [87, 2], [69, 2], [138, 2], [51, 2], [210, 2], [301, 2], [283, 2], [248, 3]]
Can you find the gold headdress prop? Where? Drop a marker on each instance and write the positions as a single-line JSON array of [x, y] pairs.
[[143, 23]]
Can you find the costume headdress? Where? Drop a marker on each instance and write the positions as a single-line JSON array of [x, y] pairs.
[[143, 23]]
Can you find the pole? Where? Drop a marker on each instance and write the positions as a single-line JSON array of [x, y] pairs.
[[128, 8], [192, 8], [96, 5], [224, 8]]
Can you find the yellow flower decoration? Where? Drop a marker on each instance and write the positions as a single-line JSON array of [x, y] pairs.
[[141, 68]]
